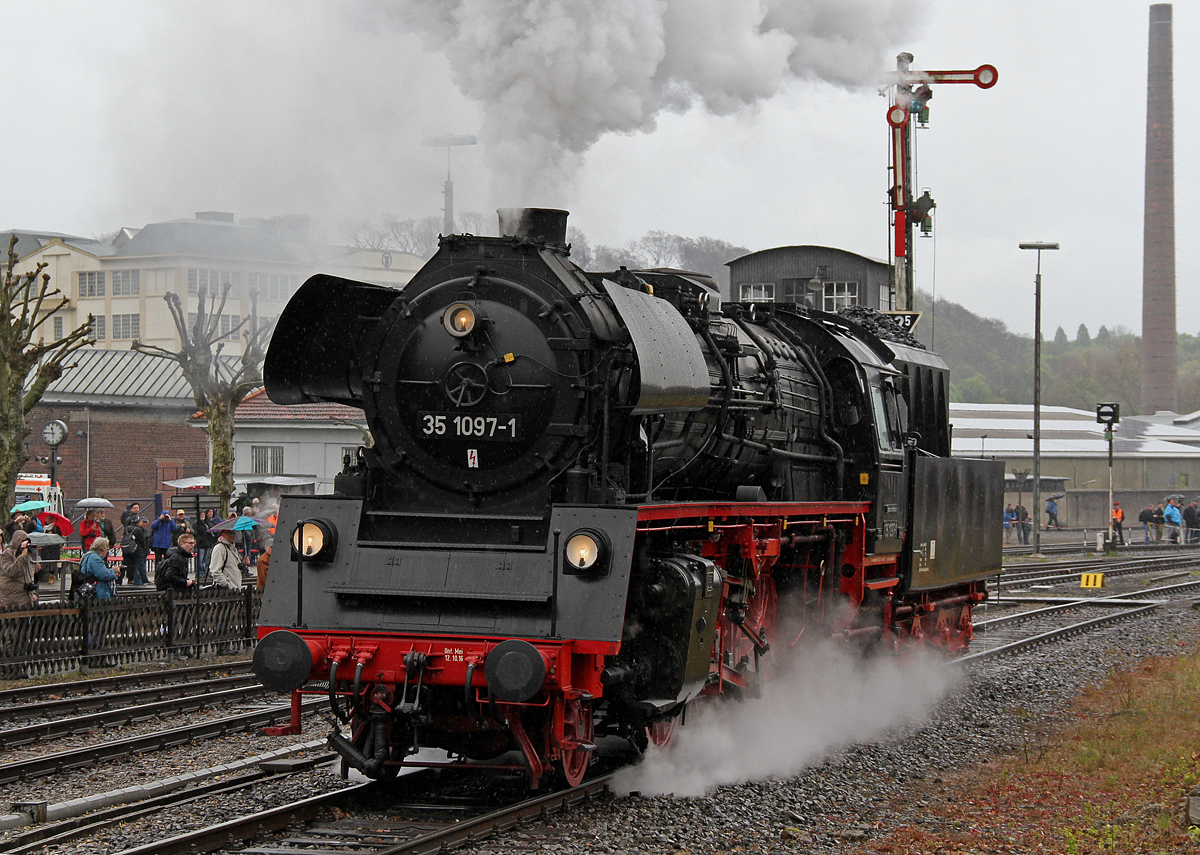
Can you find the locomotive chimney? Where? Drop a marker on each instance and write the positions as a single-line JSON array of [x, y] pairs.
[[1159, 371], [543, 225]]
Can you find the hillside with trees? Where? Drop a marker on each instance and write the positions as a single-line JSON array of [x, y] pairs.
[[990, 364]]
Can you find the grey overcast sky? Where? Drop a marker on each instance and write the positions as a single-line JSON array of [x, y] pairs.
[[755, 121]]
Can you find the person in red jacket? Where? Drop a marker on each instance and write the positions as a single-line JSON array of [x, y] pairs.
[[89, 529]]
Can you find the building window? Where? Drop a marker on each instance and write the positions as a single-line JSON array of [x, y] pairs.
[[126, 283], [99, 327], [273, 286], [757, 292], [266, 459], [91, 283], [58, 328], [126, 326], [212, 281], [840, 294]]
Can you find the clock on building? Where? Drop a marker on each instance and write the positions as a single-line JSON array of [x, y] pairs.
[[54, 433]]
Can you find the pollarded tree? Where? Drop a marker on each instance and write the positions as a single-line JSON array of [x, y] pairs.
[[28, 363], [218, 383]]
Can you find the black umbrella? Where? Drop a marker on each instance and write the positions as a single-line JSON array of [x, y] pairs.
[[1056, 496]]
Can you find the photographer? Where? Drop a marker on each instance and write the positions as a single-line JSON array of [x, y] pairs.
[[96, 571], [18, 583], [225, 564]]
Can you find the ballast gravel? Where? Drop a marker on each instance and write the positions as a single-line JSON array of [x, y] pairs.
[[834, 805], [842, 802]]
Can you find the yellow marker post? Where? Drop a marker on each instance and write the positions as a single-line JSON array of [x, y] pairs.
[[1091, 580]]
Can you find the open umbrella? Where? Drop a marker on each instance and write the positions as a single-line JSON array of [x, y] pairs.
[[63, 524], [242, 523], [31, 505], [1056, 497], [95, 502], [41, 538]]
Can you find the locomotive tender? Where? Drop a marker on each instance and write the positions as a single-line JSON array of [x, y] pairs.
[[593, 498]]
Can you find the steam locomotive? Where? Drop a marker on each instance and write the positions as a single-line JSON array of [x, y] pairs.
[[594, 498]]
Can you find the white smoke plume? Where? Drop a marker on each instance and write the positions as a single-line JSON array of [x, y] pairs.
[[267, 107], [827, 700], [553, 76]]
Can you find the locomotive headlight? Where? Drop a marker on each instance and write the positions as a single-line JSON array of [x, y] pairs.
[[459, 319], [314, 540], [586, 553]]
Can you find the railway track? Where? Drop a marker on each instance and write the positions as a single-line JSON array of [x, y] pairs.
[[425, 828], [21, 695], [1069, 571], [76, 828], [61, 761], [1119, 607]]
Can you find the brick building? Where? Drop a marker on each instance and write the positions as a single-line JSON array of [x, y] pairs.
[[127, 427]]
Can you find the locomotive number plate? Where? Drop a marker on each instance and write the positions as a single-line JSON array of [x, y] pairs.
[[502, 427]]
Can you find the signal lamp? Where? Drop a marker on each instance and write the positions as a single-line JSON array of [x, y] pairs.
[[587, 553], [314, 540], [459, 320]]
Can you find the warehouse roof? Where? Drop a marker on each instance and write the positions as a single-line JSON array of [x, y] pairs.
[[1006, 430]]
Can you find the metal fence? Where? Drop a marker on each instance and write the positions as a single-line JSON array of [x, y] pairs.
[[135, 627]]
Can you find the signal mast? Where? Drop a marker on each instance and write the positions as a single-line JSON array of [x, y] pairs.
[[910, 95]]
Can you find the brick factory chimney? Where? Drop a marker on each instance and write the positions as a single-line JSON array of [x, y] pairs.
[[1159, 371]]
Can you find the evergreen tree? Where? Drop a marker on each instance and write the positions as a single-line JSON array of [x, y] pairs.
[[1060, 337], [1103, 334], [1082, 336]]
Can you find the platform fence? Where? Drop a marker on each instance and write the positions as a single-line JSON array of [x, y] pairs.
[[53, 638]]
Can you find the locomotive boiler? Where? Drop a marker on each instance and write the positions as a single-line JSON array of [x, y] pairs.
[[593, 498]]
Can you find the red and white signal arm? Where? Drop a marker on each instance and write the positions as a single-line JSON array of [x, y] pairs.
[[897, 116], [906, 320]]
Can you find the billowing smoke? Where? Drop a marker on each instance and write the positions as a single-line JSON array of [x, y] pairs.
[[307, 107], [553, 76], [827, 700]]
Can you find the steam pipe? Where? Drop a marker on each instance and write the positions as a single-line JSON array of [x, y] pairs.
[[333, 701]]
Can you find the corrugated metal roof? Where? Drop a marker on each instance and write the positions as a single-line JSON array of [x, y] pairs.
[[1005, 430], [123, 378]]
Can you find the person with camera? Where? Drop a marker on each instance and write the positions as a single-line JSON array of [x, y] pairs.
[[225, 565], [161, 532], [96, 571], [18, 582]]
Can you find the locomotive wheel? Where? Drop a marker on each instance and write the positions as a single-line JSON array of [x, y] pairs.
[[577, 717]]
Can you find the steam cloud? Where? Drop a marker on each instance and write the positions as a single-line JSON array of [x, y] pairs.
[[271, 107], [553, 76], [828, 699]]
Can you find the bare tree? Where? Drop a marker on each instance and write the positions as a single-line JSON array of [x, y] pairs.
[[28, 363], [218, 383], [659, 248]]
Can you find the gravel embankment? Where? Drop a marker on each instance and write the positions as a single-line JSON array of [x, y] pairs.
[[848, 797]]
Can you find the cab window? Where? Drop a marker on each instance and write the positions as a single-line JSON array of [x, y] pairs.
[[886, 428]]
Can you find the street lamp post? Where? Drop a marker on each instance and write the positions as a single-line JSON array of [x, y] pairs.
[[1037, 393]]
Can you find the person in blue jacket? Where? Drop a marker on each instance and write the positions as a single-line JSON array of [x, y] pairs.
[[96, 570], [161, 536], [1174, 519]]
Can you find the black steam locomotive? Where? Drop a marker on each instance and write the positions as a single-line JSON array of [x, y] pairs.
[[593, 498]]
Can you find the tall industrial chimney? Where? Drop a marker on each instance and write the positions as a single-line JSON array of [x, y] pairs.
[[1159, 372]]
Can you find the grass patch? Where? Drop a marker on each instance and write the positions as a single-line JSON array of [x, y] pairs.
[[1108, 776]]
